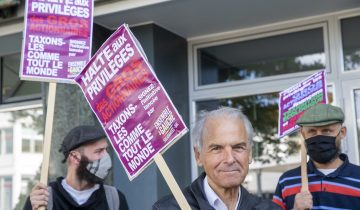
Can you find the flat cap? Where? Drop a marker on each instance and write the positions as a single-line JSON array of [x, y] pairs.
[[320, 115], [81, 135]]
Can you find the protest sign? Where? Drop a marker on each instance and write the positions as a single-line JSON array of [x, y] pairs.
[[56, 40], [130, 102], [298, 98]]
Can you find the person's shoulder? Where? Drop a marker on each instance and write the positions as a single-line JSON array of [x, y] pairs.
[[355, 170], [291, 173], [266, 204], [122, 198], [166, 202], [255, 202]]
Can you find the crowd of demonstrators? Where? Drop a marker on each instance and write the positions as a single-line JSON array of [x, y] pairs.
[[222, 141]]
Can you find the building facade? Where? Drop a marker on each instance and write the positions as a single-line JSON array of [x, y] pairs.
[[207, 54]]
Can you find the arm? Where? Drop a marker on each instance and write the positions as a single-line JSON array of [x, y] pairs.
[[277, 198], [38, 197]]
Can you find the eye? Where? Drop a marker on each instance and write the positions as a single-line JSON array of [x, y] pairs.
[[240, 147], [215, 148]]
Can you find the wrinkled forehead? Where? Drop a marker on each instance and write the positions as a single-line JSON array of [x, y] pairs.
[[217, 128]]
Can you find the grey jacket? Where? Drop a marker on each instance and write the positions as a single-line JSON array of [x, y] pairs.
[[195, 196]]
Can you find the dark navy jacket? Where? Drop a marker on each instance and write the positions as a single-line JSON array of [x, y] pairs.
[[195, 195]]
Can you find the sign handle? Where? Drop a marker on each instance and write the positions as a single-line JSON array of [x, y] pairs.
[[48, 133], [304, 177], [170, 180]]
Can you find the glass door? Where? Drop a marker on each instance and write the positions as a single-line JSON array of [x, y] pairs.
[[351, 100]]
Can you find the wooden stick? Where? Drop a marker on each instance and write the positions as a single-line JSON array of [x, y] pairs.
[[47, 136], [304, 177], [170, 180]]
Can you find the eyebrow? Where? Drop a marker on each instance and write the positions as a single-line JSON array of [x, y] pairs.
[[100, 149]]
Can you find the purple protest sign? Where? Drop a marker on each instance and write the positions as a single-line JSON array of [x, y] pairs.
[[57, 39], [298, 98], [130, 102]]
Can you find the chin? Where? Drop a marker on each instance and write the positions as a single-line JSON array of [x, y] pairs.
[[231, 181], [227, 184]]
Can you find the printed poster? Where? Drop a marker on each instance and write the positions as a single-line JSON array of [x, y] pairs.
[[56, 40], [298, 98], [129, 101]]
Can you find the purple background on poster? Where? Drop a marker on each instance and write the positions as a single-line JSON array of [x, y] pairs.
[[57, 39], [298, 98], [130, 102]]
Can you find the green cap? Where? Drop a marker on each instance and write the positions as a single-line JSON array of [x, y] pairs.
[[320, 115]]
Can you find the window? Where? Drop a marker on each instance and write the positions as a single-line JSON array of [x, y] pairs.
[[9, 141], [262, 111], [12, 88], [25, 147], [6, 192], [6, 140], [38, 146], [350, 29], [247, 60]]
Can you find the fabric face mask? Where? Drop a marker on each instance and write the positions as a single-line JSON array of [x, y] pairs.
[[322, 149], [96, 171], [101, 167]]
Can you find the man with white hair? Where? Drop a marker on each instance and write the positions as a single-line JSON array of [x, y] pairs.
[[222, 146]]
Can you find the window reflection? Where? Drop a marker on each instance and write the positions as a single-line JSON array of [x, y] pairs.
[[14, 89], [247, 60], [350, 29], [262, 111]]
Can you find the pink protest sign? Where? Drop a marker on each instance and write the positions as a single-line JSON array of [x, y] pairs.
[[57, 39], [298, 98], [130, 102]]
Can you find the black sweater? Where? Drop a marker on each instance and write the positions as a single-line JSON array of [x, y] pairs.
[[63, 201]]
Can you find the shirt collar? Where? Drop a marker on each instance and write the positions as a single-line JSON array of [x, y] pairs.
[[339, 171], [213, 199]]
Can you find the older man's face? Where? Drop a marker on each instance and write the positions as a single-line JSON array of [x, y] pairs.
[[225, 153]]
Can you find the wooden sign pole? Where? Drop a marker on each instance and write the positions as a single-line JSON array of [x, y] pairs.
[[48, 134], [171, 182], [304, 177]]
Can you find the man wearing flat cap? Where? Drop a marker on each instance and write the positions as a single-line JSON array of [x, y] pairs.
[[88, 164], [334, 183]]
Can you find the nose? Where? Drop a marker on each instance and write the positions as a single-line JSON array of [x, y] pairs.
[[229, 156]]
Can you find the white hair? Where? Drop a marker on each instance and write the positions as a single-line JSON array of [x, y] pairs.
[[198, 129]]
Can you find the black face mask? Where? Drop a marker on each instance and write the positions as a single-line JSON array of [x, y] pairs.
[[322, 149]]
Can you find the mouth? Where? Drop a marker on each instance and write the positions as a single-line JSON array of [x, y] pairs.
[[230, 170]]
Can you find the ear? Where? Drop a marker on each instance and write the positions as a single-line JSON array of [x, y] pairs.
[[197, 157], [343, 132], [302, 132], [75, 157]]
